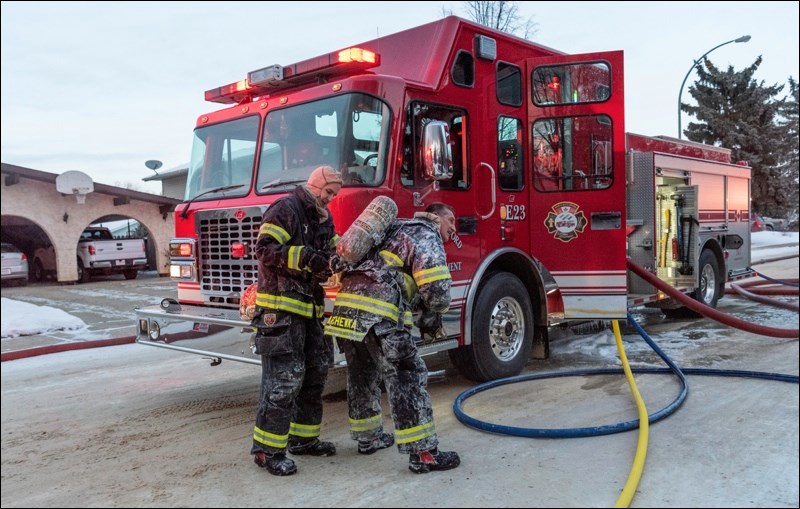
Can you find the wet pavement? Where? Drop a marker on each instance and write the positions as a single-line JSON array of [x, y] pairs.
[[142, 427]]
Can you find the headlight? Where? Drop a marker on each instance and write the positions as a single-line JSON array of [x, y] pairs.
[[181, 248], [181, 271], [155, 330]]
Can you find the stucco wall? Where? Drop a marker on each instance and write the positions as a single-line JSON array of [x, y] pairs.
[[40, 203]]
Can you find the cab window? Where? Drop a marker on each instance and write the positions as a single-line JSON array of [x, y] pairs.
[[509, 84], [463, 71], [580, 83], [572, 153], [417, 116], [509, 153]]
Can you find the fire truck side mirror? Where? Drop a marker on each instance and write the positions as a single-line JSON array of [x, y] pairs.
[[438, 156]]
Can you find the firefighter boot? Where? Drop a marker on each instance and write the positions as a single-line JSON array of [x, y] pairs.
[[313, 447], [276, 464], [426, 461], [371, 445]]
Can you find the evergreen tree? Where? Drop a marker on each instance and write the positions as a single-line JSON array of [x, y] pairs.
[[789, 167], [736, 112]]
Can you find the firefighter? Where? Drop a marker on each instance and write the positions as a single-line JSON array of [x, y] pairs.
[[371, 320], [293, 248]]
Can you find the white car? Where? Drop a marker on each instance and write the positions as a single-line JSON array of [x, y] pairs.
[[774, 224], [15, 264]]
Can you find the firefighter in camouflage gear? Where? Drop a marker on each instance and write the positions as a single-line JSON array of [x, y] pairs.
[[294, 246], [372, 318]]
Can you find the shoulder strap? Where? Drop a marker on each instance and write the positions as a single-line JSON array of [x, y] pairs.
[[300, 213]]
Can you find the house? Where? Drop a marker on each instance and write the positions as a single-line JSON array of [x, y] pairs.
[[173, 181]]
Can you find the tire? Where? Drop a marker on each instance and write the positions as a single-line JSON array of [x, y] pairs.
[[711, 285], [83, 274], [708, 292], [38, 270], [130, 274], [502, 331]]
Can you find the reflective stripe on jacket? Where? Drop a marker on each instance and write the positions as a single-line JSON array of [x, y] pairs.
[[408, 271], [288, 226]]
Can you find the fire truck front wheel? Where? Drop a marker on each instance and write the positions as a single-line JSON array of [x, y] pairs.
[[502, 331]]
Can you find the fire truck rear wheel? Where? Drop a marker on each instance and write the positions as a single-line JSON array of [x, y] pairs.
[[710, 288], [502, 331]]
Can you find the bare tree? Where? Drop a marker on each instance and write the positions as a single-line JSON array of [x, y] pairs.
[[503, 16]]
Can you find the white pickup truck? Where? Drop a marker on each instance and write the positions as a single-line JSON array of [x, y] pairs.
[[100, 253]]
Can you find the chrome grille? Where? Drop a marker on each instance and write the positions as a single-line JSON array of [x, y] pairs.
[[222, 277]]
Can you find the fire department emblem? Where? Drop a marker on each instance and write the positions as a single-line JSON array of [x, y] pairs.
[[565, 221], [270, 319]]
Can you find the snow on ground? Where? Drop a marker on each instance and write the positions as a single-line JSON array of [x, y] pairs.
[[23, 319]]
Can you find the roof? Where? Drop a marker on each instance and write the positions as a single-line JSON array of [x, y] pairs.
[[178, 171], [431, 45], [44, 176]]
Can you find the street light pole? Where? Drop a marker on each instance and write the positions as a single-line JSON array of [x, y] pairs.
[[743, 38]]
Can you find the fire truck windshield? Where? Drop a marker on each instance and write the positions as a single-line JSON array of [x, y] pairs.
[[347, 132], [222, 157]]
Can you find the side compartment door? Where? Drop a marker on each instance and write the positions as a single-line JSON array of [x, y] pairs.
[[576, 133]]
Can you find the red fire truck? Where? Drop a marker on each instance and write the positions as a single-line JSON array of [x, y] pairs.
[[552, 197]]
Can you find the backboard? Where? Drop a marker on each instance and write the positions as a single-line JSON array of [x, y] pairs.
[[75, 182]]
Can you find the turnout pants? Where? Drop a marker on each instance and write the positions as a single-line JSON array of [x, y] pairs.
[[294, 367], [390, 353]]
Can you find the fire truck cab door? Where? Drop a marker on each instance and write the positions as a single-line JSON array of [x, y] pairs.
[[576, 135]]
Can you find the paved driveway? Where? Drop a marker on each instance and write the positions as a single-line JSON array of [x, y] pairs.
[[129, 426]]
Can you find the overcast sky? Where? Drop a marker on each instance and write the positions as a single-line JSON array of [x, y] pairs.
[[101, 87]]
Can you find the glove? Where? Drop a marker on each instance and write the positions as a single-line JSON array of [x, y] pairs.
[[315, 261], [430, 326], [431, 335], [318, 264], [428, 321], [337, 263]]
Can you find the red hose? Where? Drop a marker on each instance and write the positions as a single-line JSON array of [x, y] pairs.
[[765, 300], [765, 291], [708, 311], [759, 282], [777, 258]]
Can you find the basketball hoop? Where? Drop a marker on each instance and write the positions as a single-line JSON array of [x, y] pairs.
[[76, 183], [80, 193]]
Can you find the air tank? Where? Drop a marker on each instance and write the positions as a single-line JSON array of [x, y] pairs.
[[367, 230]]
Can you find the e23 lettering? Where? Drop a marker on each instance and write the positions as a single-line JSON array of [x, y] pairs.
[[512, 212]]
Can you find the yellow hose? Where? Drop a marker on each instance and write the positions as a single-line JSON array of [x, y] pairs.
[[635, 474], [665, 237]]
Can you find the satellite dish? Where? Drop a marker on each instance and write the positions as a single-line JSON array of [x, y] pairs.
[[75, 182], [153, 164]]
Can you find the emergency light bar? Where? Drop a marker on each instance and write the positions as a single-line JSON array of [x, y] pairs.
[[266, 75], [275, 77], [233, 93]]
